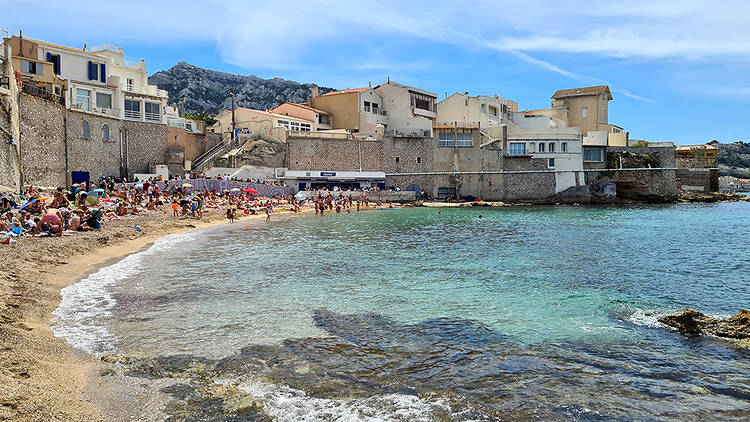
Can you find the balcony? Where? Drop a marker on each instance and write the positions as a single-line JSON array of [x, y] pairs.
[[425, 113], [133, 115], [153, 117], [150, 90], [409, 133]]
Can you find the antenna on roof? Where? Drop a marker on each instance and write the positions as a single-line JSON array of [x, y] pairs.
[[389, 79]]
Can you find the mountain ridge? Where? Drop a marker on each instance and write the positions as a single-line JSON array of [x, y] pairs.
[[210, 90]]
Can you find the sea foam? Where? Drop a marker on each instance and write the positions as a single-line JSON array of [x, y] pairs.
[[79, 318], [288, 404]]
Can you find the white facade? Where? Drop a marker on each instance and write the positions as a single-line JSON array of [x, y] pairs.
[[410, 111], [97, 82], [563, 154], [479, 111]]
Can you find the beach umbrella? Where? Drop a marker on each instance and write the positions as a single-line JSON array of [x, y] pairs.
[[235, 189], [250, 190], [187, 185], [300, 195], [139, 186]]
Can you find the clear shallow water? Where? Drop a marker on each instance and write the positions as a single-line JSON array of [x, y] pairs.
[[421, 314]]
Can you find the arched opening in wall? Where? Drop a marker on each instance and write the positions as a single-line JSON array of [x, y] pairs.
[[564, 147], [532, 147], [85, 130], [551, 147], [541, 146], [105, 132]]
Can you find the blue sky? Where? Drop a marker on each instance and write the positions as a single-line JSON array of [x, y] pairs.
[[678, 68]]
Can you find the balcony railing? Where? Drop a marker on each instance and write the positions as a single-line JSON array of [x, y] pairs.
[[150, 90], [133, 114], [153, 117], [43, 92]]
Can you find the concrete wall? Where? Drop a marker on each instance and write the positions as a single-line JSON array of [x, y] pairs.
[[192, 144], [46, 128], [334, 154], [344, 107]]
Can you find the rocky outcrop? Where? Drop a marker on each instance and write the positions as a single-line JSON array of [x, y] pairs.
[[210, 90], [264, 153], [692, 322], [712, 197]]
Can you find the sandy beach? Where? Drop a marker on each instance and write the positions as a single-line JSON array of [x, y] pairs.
[[43, 377]]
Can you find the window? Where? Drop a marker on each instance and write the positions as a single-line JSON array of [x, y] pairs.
[[445, 192], [551, 163], [374, 108], [293, 125], [367, 106], [32, 67], [397, 160], [551, 147], [422, 102], [564, 147], [541, 146], [493, 111], [584, 112], [463, 139], [130, 84], [305, 127], [132, 109], [85, 130], [593, 154], [445, 139], [152, 111], [105, 132], [93, 71], [83, 99], [419, 160], [532, 148], [517, 148], [284, 123], [103, 100]]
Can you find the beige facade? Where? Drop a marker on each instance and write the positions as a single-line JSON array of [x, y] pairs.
[[480, 110], [262, 123], [411, 111], [357, 110], [322, 118]]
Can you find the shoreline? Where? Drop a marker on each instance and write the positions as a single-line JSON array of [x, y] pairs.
[[44, 377]]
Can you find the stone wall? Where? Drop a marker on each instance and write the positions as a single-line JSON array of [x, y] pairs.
[[334, 154], [698, 180], [10, 170], [528, 187], [372, 196], [414, 156], [48, 130]]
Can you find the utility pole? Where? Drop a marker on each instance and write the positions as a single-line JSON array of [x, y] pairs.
[[234, 128]]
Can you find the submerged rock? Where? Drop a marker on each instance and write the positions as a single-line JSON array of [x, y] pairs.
[[693, 322]]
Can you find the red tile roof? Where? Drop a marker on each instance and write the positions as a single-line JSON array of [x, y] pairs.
[[346, 91]]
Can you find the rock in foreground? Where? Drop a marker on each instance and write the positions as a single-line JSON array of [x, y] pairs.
[[693, 322]]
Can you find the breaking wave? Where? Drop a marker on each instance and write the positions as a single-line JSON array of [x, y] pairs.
[[79, 317]]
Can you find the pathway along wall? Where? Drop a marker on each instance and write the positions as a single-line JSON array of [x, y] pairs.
[[48, 129]]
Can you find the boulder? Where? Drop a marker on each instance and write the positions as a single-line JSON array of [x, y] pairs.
[[695, 323]]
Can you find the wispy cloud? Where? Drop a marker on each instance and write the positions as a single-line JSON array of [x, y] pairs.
[[283, 34]]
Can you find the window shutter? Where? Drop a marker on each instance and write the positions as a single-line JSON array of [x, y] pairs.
[[57, 60], [91, 70], [49, 57], [102, 73]]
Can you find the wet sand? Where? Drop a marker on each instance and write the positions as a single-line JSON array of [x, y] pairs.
[[43, 377]]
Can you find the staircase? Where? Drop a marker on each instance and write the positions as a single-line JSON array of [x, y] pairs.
[[212, 154]]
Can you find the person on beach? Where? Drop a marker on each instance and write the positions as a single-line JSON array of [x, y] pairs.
[[175, 208], [268, 213]]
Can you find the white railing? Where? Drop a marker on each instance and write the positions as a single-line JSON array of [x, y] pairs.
[[151, 90], [133, 114], [153, 117]]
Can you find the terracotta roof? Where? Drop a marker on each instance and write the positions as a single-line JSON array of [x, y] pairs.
[[346, 91], [576, 92], [305, 106]]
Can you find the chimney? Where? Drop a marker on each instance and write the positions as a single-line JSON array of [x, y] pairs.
[[314, 92], [369, 84], [389, 79], [20, 41]]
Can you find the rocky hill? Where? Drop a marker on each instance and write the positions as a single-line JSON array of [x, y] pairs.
[[734, 158], [210, 90]]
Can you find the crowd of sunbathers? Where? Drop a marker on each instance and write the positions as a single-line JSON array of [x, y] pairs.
[[63, 212]]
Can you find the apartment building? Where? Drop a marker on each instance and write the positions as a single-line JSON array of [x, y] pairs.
[[95, 80], [259, 122], [411, 111], [358, 110], [322, 120], [480, 110]]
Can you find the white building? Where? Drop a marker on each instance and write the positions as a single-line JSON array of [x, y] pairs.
[[99, 80], [411, 111]]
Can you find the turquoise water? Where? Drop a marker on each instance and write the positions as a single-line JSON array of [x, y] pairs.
[[542, 313]]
